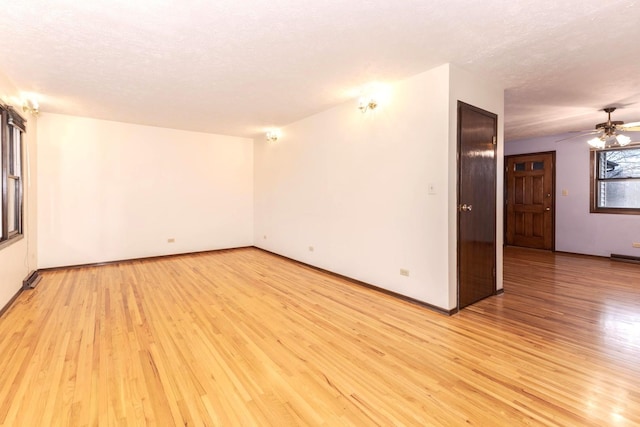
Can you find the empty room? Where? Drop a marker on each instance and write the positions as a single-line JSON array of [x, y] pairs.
[[284, 213]]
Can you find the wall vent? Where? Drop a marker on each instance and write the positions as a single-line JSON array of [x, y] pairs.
[[31, 280], [625, 258]]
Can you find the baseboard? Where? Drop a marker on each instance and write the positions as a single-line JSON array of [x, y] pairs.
[[149, 258], [369, 286], [625, 258], [7, 306], [30, 282], [572, 253]]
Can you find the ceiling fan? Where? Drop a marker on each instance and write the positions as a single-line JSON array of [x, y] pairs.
[[607, 133]]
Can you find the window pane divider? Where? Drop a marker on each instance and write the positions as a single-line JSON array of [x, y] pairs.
[[619, 179]]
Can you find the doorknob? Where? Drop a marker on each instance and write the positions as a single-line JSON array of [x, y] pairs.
[[465, 207], [547, 209]]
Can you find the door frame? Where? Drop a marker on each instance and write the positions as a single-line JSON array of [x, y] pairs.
[[553, 194], [458, 190]]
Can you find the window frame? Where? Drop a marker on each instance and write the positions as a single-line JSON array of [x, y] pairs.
[[595, 180], [12, 125]]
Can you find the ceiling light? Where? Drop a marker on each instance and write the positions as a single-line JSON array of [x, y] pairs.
[[623, 140], [608, 132], [273, 135], [596, 142]]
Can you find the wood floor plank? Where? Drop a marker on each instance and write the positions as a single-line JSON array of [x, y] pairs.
[[243, 337]]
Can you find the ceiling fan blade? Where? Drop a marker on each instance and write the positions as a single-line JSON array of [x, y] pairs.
[[633, 127], [593, 132]]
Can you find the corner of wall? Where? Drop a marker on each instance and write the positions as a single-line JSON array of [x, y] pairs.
[[484, 93]]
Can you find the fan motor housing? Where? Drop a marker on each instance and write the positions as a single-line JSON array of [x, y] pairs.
[[606, 125]]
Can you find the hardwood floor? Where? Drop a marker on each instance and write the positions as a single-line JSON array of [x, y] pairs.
[[243, 338]]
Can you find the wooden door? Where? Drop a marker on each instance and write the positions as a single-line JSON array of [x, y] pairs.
[[477, 133], [530, 200]]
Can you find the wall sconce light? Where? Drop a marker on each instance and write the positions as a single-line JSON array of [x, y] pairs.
[[273, 135], [365, 104], [30, 105]]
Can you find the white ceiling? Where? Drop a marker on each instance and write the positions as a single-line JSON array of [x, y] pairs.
[[237, 66]]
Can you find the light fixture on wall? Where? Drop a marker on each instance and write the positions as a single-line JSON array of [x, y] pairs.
[[273, 135], [371, 96], [30, 105], [367, 104]]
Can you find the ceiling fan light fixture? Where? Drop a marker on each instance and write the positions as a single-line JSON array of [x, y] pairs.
[[596, 142], [606, 134], [623, 140]]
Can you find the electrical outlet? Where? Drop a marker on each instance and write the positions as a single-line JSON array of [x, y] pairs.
[[636, 244], [171, 240], [311, 248], [404, 272], [565, 192], [264, 237]]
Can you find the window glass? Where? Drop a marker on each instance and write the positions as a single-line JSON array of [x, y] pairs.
[[619, 163], [616, 182], [12, 185], [11, 196], [14, 153], [620, 194]]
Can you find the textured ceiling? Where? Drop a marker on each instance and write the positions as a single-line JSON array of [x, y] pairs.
[[237, 66]]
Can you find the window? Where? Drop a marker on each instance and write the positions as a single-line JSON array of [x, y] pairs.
[[12, 127], [615, 184]]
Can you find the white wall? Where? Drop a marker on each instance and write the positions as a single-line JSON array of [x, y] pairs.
[[354, 187], [113, 191], [19, 258], [577, 230]]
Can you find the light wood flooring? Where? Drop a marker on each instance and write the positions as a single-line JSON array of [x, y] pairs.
[[243, 338]]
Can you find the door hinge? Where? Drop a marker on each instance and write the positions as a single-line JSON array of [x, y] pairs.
[[494, 272], [495, 140]]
